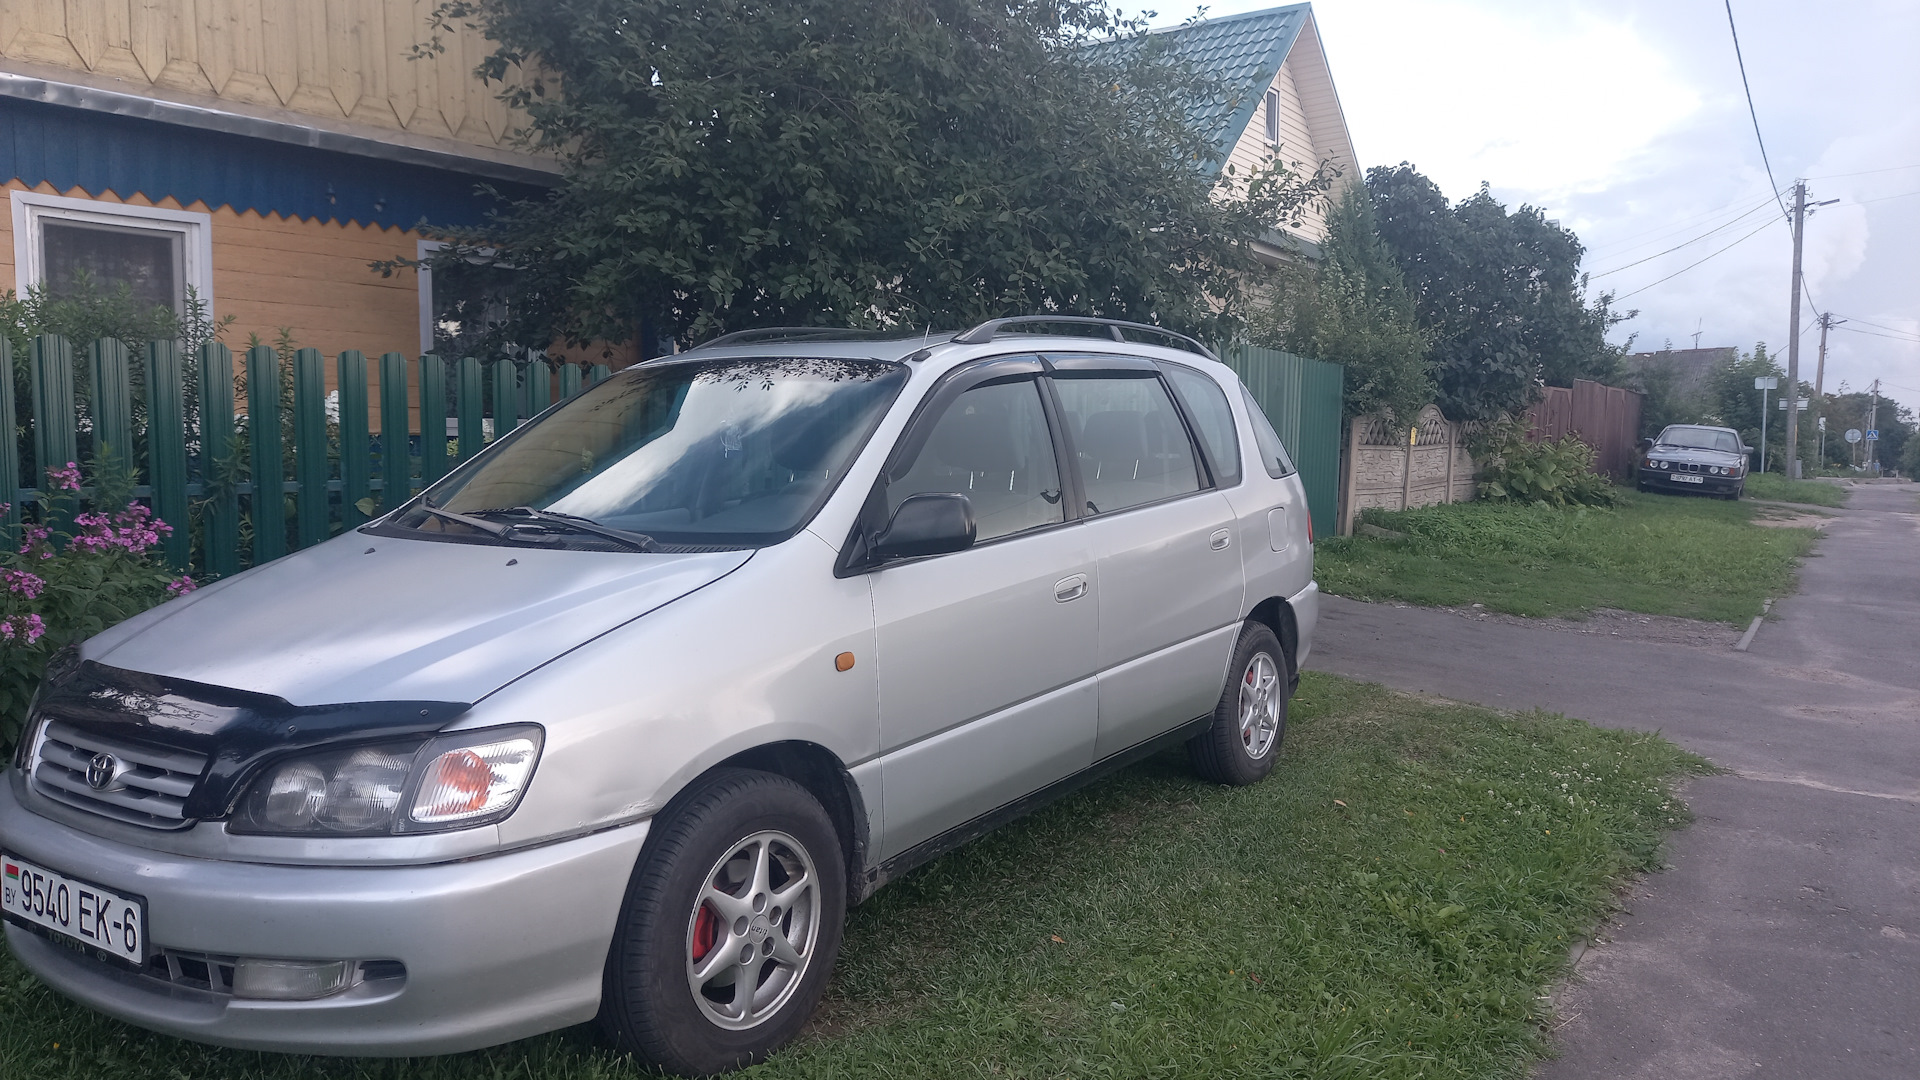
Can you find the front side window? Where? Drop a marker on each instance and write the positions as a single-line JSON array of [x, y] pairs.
[[1132, 447], [992, 445], [731, 452]]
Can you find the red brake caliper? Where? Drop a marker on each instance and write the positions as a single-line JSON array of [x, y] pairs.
[[706, 930]]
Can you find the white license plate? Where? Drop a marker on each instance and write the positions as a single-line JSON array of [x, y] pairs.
[[85, 913], [1683, 478]]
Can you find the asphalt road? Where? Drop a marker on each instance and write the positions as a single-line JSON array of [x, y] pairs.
[[1784, 938]]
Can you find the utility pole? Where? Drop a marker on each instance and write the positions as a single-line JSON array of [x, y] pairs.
[[1873, 422], [1827, 322], [1793, 334]]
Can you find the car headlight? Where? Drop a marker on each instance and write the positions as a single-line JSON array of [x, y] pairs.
[[455, 781]]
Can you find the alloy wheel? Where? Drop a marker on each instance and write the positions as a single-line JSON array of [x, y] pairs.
[[751, 934], [1259, 705]]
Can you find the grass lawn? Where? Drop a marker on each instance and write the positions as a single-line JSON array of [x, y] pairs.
[[1774, 486], [1392, 903], [1658, 554]]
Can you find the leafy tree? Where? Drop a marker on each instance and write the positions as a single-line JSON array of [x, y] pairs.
[[859, 162], [1736, 404], [1499, 292], [1353, 308]]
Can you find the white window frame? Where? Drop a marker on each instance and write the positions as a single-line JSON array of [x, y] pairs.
[[422, 249], [31, 210], [1272, 119]]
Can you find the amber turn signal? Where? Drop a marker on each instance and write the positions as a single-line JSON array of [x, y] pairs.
[[843, 662]]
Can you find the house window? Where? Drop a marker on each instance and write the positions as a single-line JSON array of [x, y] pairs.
[[154, 253], [462, 304], [1273, 119]]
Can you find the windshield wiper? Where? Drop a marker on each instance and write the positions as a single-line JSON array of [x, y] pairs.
[[498, 532], [636, 540]]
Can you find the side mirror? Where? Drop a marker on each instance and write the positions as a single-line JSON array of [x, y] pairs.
[[928, 524], [1646, 445]]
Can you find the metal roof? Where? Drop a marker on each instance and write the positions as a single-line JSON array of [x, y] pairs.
[[1240, 54]]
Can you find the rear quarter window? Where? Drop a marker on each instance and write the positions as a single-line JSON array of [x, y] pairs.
[[1273, 453]]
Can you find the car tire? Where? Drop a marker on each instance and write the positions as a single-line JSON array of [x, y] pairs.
[[1249, 722], [705, 912]]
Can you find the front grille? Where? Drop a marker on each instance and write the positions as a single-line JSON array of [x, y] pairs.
[[149, 786], [1691, 466]]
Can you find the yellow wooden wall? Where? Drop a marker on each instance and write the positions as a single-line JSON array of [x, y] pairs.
[[335, 60]]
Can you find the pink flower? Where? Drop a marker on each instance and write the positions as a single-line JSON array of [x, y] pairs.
[[24, 583], [67, 478], [27, 626], [180, 586]]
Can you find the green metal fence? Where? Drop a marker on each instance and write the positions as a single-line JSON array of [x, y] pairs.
[[245, 481], [1302, 398]]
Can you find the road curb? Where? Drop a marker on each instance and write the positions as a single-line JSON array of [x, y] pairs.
[[1753, 627]]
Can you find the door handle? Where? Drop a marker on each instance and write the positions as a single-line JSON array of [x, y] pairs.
[[1070, 588], [1219, 540]]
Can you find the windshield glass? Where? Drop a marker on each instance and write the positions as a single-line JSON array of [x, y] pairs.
[[1699, 438], [733, 452]]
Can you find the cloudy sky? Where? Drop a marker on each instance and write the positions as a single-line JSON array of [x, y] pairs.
[[1625, 120]]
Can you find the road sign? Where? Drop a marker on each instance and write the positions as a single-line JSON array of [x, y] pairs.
[[1873, 434], [1853, 434], [1823, 423], [1799, 406], [1762, 382]]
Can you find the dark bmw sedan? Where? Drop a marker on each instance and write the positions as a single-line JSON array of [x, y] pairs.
[[1689, 457]]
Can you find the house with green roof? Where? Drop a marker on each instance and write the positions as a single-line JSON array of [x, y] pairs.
[[1277, 101]]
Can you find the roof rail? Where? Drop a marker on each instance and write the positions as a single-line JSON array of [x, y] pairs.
[[992, 328], [767, 335]]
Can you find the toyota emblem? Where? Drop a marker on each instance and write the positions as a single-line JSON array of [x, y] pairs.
[[102, 771]]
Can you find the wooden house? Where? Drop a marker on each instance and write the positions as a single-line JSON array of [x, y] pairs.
[[261, 152], [1274, 100]]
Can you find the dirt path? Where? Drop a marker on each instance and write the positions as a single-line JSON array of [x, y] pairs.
[[1784, 940]]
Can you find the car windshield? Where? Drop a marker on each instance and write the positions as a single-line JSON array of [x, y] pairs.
[[1700, 438], [727, 453]]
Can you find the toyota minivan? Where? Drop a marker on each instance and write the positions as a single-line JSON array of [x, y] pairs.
[[619, 717]]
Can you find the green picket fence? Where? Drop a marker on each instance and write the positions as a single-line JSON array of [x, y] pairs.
[[1302, 398], [242, 486]]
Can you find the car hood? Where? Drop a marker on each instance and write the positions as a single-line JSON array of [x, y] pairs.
[[1696, 455], [366, 618]]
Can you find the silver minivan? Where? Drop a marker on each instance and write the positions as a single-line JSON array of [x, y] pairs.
[[618, 718]]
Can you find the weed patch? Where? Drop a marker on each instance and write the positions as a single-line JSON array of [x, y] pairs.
[[1655, 554]]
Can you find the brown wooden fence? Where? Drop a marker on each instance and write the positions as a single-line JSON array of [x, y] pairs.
[[1606, 418]]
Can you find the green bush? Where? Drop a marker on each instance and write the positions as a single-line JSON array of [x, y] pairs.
[[1556, 472], [67, 582]]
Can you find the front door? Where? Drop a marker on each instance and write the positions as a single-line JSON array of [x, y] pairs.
[[986, 656]]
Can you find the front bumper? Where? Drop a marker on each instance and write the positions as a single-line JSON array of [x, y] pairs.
[[495, 949], [1663, 480]]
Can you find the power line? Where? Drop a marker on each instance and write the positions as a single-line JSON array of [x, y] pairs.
[[1869, 333], [1864, 172], [1690, 266], [1686, 243], [1881, 326], [1744, 85], [1660, 232], [1884, 198]]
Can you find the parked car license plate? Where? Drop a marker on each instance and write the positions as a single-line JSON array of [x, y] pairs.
[[86, 913], [1685, 479]]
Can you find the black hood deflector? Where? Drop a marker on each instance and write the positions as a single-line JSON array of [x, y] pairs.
[[237, 730]]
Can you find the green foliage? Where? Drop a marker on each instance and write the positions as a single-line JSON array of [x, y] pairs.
[[1353, 309], [1736, 404], [1910, 459], [74, 574], [1665, 398], [1498, 292], [1554, 472], [733, 163], [1779, 488], [1658, 554], [1393, 903]]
